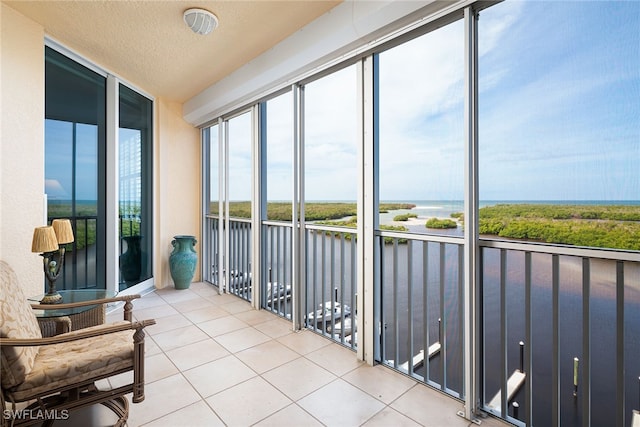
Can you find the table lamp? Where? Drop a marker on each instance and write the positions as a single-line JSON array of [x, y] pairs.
[[50, 241]]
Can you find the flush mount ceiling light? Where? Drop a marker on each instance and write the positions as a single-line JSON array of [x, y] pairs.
[[200, 21]]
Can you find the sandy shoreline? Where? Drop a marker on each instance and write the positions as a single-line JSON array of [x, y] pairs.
[[421, 220]]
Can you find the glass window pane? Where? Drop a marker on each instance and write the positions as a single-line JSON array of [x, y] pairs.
[[279, 150], [331, 144], [211, 135], [75, 147], [135, 192], [240, 166], [421, 117], [559, 109]]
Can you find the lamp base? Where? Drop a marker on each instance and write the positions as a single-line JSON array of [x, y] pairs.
[[54, 298]]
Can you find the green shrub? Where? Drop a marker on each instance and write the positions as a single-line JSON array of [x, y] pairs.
[[441, 223], [404, 217]]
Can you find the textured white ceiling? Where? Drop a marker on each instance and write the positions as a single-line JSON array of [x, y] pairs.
[[147, 43]]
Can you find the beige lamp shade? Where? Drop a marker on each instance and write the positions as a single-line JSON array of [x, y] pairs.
[[63, 230], [44, 240]]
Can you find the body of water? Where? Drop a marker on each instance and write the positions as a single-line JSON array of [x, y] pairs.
[[420, 283]]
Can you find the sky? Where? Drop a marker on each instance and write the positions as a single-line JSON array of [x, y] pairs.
[[559, 114], [559, 110]]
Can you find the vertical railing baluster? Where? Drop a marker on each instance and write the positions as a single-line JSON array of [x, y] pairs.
[[620, 382], [410, 346], [323, 280], [342, 285], [586, 342], [528, 342], [284, 276], [443, 322], [247, 262], [232, 257], [425, 309], [315, 281], [504, 404], [278, 278], [272, 264], [332, 280], [242, 270], [555, 353], [383, 317], [246, 269], [236, 253], [461, 313], [482, 329], [396, 326], [352, 284]]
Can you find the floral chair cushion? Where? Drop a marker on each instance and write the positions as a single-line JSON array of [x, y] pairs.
[[17, 320], [59, 365]]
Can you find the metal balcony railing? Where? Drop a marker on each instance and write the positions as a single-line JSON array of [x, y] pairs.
[[421, 289], [331, 283], [560, 334], [277, 270], [558, 326]]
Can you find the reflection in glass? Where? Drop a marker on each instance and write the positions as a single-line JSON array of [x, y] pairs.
[[135, 187], [74, 152]]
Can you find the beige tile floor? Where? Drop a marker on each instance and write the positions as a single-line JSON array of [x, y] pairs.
[[212, 360]]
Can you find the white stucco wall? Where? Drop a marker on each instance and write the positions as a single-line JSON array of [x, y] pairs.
[[177, 175], [21, 144], [22, 200]]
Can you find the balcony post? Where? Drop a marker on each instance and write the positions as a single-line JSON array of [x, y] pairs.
[[112, 195], [367, 211], [259, 205], [471, 237], [298, 259]]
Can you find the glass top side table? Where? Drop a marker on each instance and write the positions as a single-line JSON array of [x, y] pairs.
[[59, 320]]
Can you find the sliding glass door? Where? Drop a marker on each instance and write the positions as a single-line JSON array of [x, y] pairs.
[[135, 187], [75, 150], [87, 161]]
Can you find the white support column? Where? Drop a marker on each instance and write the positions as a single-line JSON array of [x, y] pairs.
[[259, 195], [205, 178], [220, 241], [367, 212], [298, 257], [471, 247], [112, 186], [225, 213]]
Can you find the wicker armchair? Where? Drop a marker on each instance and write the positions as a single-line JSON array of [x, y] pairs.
[[55, 375]]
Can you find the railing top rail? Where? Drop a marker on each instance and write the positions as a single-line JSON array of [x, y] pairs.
[[336, 229], [277, 223], [579, 251], [420, 237], [246, 220]]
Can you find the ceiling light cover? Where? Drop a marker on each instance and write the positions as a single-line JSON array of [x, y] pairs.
[[200, 21]]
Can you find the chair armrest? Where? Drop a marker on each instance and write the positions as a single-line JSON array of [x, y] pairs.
[[128, 306], [77, 335], [126, 298]]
